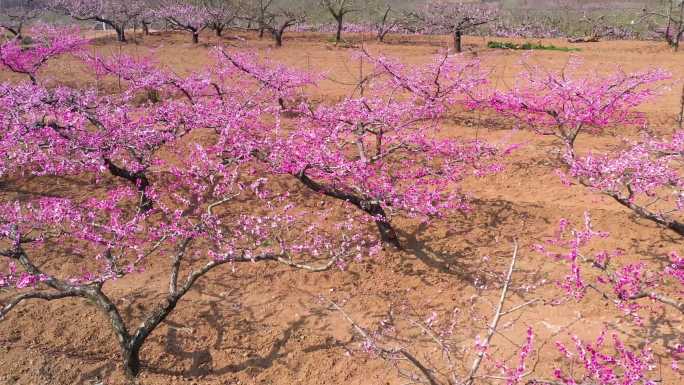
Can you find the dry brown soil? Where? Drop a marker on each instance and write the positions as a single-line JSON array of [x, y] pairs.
[[261, 324]]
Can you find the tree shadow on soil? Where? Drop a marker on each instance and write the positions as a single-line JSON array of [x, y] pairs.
[[180, 356], [660, 329], [202, 363], [492, 224], [225, 316]]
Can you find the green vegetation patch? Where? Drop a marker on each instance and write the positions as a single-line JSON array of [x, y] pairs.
[[528, 46]]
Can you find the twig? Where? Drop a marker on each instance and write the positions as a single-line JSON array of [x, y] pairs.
[[495, 321], [386, 352]]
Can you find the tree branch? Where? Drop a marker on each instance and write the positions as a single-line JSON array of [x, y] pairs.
[[495, 320], [36, 295]]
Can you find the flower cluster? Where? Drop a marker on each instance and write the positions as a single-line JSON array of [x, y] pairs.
[[645, 176], [379, 151], [564, 103], [621, 367], [50, 42], [624, 284]]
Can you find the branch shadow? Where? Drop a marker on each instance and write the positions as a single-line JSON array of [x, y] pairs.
[[222, 312], [492, 224], [658, 329], [202, 363]]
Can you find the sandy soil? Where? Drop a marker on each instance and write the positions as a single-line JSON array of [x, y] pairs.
[[262, 324]]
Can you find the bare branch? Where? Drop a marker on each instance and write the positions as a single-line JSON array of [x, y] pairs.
[[46, 296], [495, 320]]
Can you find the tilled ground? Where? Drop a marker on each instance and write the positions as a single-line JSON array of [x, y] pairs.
[[263, 324]]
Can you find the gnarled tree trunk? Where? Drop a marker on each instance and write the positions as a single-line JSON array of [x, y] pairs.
[[131, 361], [387, 233]]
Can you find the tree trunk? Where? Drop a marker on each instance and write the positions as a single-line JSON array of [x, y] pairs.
[[219, 31], [382, 28], [138, 179], [338, 35], [195, 37], [387, 233], [145, 28], [381, 35], [681, 110], [120, 34], [457, 41], [680, 27], [16, 32], [131, 361], [278, 36], [261, 32]]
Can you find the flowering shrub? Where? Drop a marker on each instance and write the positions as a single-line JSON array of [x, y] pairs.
[[623, 367], [186, 17], [644, 176], [565, 104], [633, 287], [151, 193], [453, 18]]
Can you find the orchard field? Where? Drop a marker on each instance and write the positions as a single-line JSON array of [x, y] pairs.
[[231, 212]]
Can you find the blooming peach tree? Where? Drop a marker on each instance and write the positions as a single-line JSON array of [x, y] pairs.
[[643, 176], [379, 151], [117, 14], [17, 16], [186, 17], [454, 18], [135, 208], [49, 42]]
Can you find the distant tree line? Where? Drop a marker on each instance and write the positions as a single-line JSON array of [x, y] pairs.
[[581, 21]]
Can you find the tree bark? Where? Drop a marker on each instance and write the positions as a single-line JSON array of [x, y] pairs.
[[382, 28], [195, 37], [120, 34], [677, 227], [145, 28], [387, 233], [680, 29], [131, 361], [338, 35], [457, 41], [139, 179], [14, 31]]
